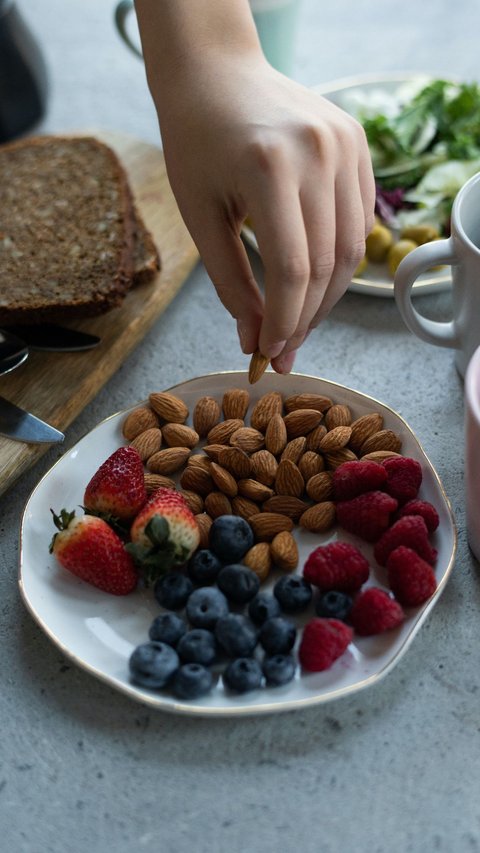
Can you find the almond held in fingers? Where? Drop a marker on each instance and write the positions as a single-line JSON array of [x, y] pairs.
[[205, 415], [258, 366], [169, 407]]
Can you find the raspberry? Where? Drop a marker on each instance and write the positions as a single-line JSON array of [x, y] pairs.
[[404, 477], [423, 508], [338, 566], [355, 478], [411, 531], [375, 611], [410, 578], [367, 515], [323, 641]]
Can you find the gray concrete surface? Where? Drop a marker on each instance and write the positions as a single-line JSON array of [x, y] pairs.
[[394, 768]]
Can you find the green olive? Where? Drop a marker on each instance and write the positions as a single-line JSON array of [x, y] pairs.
[[397, 252], [378, 243], [420, 233]]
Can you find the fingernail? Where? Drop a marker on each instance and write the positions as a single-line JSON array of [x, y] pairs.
[[284, 363], [274, 349]]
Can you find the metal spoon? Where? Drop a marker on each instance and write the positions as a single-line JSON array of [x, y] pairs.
[[13, 352]]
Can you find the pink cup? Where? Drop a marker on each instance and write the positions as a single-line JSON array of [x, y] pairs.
[[472, 451]]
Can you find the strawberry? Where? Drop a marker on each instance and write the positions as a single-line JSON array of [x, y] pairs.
[[116, 491], [88, 547], [164, 534]]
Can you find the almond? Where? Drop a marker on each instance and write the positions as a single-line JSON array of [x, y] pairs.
[[266, 525], [223, 480], [220, 433], [264, 409], [258, 560], [384, 439], [284, 551], [170, 408], [335, 438], [363, 428], [193, 501], [319, 487], [311, 463], [285, 505], [204, 522], [294, 449], [253, 490], [258, 366], [147, 443], [264, 466], [196, 479], [289, 480], [244, 507], [247, 439], [236, 461], [307, 401], [169, 460], [318, 518], [200, 461], [338, 415], [180, 435], [157, 481], [338, 457], [216, 503], [213, 451], [315, 437], [205, 415], [138, 421], [380, 455], [276, 434], [235, 403], [301, 421]]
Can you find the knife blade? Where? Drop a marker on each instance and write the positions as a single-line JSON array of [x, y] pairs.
[[48, 337], [19, 425]]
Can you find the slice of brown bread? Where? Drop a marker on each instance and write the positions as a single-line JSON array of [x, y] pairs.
[[71, 243], [146, 259]]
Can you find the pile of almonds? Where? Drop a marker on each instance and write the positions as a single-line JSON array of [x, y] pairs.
[[273, 468]]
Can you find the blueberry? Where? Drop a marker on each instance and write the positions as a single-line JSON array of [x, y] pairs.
[[293, 593], [172, 590], [263, 606], [230, 538], [191, 681], [243, 674], [278, 669], [277, 636], [153, 664], [204, 566], [205, 606], [334, 605], [238, 583], [236, 635], [167, 628], [197, 646]]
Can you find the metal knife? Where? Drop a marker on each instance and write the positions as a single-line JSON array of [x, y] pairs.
[[19, 425], [49, 337]]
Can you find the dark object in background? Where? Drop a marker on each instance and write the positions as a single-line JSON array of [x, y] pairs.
[[23, 78]]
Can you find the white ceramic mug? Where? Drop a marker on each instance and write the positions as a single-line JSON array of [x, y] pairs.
[[462, 252], [276, 22], [472, 452]]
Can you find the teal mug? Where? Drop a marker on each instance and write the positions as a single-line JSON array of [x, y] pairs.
[[276, 22]]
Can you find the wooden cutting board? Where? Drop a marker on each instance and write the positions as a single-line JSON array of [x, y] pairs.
[[57, 386]]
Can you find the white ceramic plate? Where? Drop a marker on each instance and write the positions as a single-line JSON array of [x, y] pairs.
[[98, 631], [376, 280]]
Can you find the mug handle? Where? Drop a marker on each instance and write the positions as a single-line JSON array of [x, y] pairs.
[[420, 260], [122, 11]]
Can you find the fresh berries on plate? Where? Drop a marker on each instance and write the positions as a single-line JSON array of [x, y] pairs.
[[404, 477], [164, 533], [323, 641], [375, 611], [191, 681], [264, 606], [238, 583], [205, 606], [411, 531], [230, 538], [277, 635], [204, 566], [243, 675], [278, 669], [355, 478], [167, 628], [423, 508], [334, 605], [411, 579], [88, 547], [153, 664], [116, 491], [293, 593], [197, 646], [172, 590], [338, 565], [235, 635], [367, 515]]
